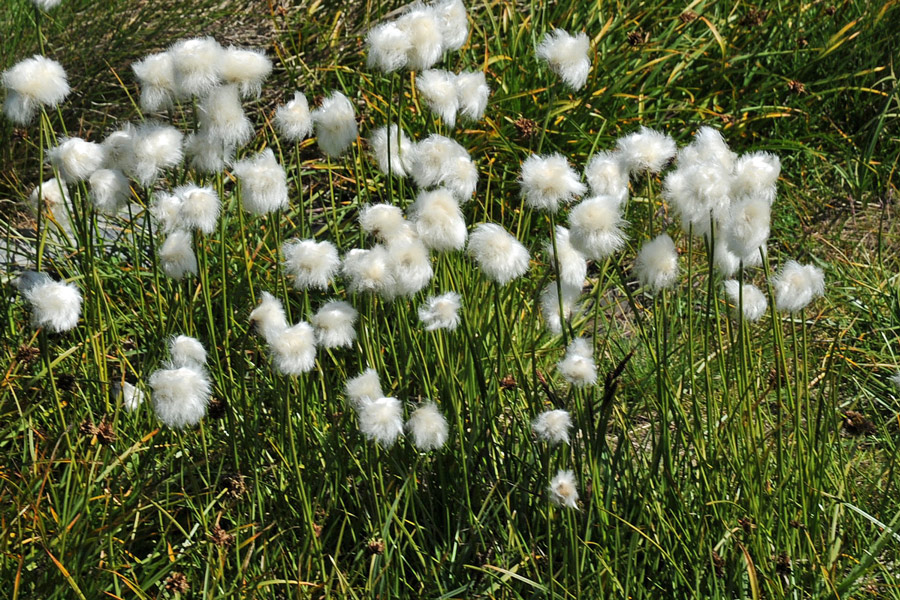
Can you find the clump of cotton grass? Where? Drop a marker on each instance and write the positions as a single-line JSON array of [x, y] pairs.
[[700, 193], [747, 299], [293, 119], [370, 270], [207, 153], [472, 93], [132, 396], [52, 196], [294, 349], [564, 490], [438, 220], [199, 207], [263, 183], [440, 161], [596, 227], [363, 388], [550, 304], [55, 305], [110, 190], [499, 255], [393, 150], [334, 324], [384, 221], [438, 89], [796, 285], [411, 266], [454, 23], [548, 181], [388, 46], [153, 147], [222, 117], [570, 262], [428, 427], [312, 264], [32, 83], [181, 389], [156, 75], [268, 317], [567, 56], [578, 367], [552, 426], [607, 175], [246, 68], [422, 25], [198, 64], [76, 159], [756, 175], [646, 150], [335, 124], [657, 264], [381, 420], [441, 312], [176, 255]]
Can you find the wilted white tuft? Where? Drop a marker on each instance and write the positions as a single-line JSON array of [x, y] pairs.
[[550, 304], [553, 426], [577, 367], [370, 271], [441, 312], [411, 266], [384, 221], [198, 65], [389, 46], [263, 183], [334, 324], [700, 193], [208, 154], [607, 174], [567, 56], [154, 147], [393, 158], [597, 228], [187, 351], [381, 420], [293, 119], [132, 396], [32, 83], [199, 207], [501, 256], [548, 180], [312, 264], [748, 297], [363, 388], [438, 89], [571, 262], [426, 42], [110, 190], [55, 306], [166, 209], [438, 220], [708, 146], [335, 123], [646, 150], [428, 427], [76, 159], [222, 117], [268, 317], [657, 264], [176, 255], [797, 285], [454, 23], [180, 395], [563, 489], [294, 349], [54, 199], [472, 91], [747, 227], [156, 74], [246, 68], [756, 175]]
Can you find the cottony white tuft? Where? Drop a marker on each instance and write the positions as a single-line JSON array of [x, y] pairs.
[[110, 190], [246, 68], [438, 89], [564, 490], [222, 117], [747, 227], [54, 201], [646, 150], [428, 427], [578, 367], [198, 65], [32, 83], [553, 426], [293, 119], [187, 351], [797, 285], [548, 180], [154, 147], [756, 175], [441, 312], [208, 154], [263, 183], [748, 297], [156, 74], [76, 159], [454, 23], [501, 256], [572, 265], [199, 207], [166, 209], [180, 395], [268, 317], [312, 264], [176, 255], [294, 349], [389, 46], [370, 271], [426, 42], [381, 420], [472, 91], [550, 304], [55, 306], [439, 221], [394, 158], [334, 324], [597, 228], [132, 396], [384, 221], [567, 56], [657, 264], [335, 123], [708, 146], [607, 174], [411, 266], [363, 388]]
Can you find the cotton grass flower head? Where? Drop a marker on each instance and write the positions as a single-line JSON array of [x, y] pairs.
[[363, 388], [46, 4], [567, 56], [454, 23], [180, 395], [294, 349], [334, 324], [55, 306], [472, 92], [118, 148], [268, 317], [564, 490], [411, 266], [756, 174], [370, 270], [439, 221], [293, 119], [199, 208], [460, 176], [222, 117], [596, 227], [388, 46], [550, 304], [76, 159], [156, 74], [166, 209], [246, 68], [570, 262], [438, 89], [441, 312], [578, 367], [747, 227], [384, 221], [748, 297], [700, 193], [797, 285], [132, 396], [708, 146], [176, 255], [422, 25], [393, 150], [198, 65], [187, 351], [727, 262], [54, 201], [553, 426], [110, 190], [607, 175], [646, 150], [430, 158], [895, 379], [263, 183], [548, 180], [657, 264], [501, 256], [335, 124], [207, 153], [312, 264], [154, 147], [32, 83], [428, 427], [381, 420]]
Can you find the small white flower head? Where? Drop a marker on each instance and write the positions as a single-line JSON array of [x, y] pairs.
[[335, 124], [567, 56], [797, 285], [263, 183], [187, 352], [198, 65], [429, 157], [439, 221], [550, 304], [293, 119], [268, 317], [54, 201], [384, 221], [176, 255], [657, 264], [563, 489], [156, 74], [438, 89], [426, 41], [370, 271], [411, 266], [334, 324], [472, 91], [363, 388], [46, 4], [389, 46], [572, 264], [166, 209], [199, 207], [428, 427], [607, 174], [180, 395], [553, 426], [708, 146], [246, 68], [381, 420], [548, 180], [460, 176], [756, 175], [110, 190], [895, 379], [577, 367], [501, 256], [700, 193], [748, 297], [312, 264], [76, 159], [294, 349], [55, 306], [118, 148], [727, 263], [154, 147], [222, 117], [747, 227], [441, 312], [132, 396], [207, 153], [597, 228], [646, 150], [394, 156], [32, 83], [454, 23]]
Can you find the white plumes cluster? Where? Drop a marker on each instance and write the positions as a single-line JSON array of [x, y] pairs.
[[657, 264], [447, 93], [499, 255], [438, 220], [607, 175], [263, 183], [746, 227], [597, 227], [553, 426], [550, 304], [52, 197], [363, 388], [335, 124], [454, 23], [381, 420], [646, 150], [268, 317], [428, 427], [567, 56], [700, 193], [165, 209], [222, 119], [76, 159], [708, 145], [187, 351], [246, 68], [198, 207], [197, 65], [440, 161], [393, 150], [293, 347], [441, 312], [564, 490], [748, 300], [796, 285], [293, 119], [548, 181], [312, 264], [32, 83], [55, 306], [571, 263], [110, 190], [577, 366], [755, 175], [176, 255], [181, 389], [418, 37], [334, 324], [156, 74]]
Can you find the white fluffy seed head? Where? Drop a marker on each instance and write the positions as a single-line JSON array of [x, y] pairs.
[[381, 420], [166, 209], [176, 255], [472, 91], [747, 227], [756, 175], [577, 367], [393, 150], [553, 426], [293, 119], [567, 56], [500, 255], [335, 124], [76, 159], [657, 264], [222, 117], [550, 304], [388, 46], [796, 285], [646, 150], [708, 146], [549, 180], [564, 490], [438, 89], [895, 379], [207, 153], [32, 83], [180, 395], [426, 41], [197, 64], [118, 148], [132, 396], [571, 262], [199, 207], [335, 324], [263, 183], [454, 23], [268, 317], [411, 266], [110, 190], [294, 349], [607, 175], [597, 228], [246, 68], [746, 299], [55, 306], [460, 176], [363, 388], [439, 221], [46, 4], [370, 271], [312, 264], [700, 193], [428, 427], [187, 351], [54, 199], [441, 312], [156, 74], [154, 147], [430, 156], [384, 221]]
